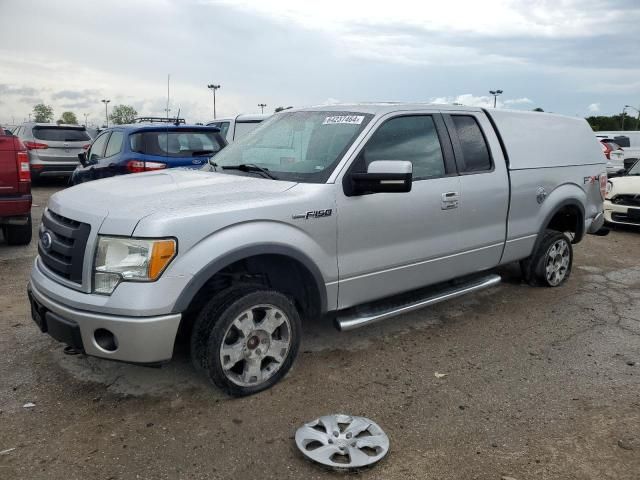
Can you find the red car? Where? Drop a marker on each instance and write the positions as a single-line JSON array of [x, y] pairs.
[[15, 190]]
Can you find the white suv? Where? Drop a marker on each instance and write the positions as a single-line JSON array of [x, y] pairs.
[[232, 128]]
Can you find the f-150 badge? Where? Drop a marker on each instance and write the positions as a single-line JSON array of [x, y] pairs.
[[313, 214]]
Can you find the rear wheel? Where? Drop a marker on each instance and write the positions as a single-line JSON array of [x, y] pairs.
[[246, 340], [18, 234], [550, 263]]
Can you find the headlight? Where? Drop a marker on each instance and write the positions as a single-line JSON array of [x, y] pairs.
[[130, 259]]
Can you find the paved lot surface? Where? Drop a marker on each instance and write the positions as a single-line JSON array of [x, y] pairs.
[[540, 384]]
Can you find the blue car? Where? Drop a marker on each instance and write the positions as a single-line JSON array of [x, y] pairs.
[[141, 148]]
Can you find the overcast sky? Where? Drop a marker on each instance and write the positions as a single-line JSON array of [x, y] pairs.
[[577, 57]]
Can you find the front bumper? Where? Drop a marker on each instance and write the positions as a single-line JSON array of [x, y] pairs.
[[15, 206], [614, 213], [137, 339]]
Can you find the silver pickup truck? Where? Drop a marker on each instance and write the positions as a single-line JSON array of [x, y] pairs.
[[353, 213]]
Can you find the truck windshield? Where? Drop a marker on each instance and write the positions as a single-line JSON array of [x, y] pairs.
[[297, 146], [635, 170]]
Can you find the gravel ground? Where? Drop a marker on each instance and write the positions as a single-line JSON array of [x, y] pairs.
[[540, 384]]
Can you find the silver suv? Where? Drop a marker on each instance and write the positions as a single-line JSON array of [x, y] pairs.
[[344, 213], [53, 149]]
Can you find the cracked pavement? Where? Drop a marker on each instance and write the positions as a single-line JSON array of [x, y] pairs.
[[540, 384]]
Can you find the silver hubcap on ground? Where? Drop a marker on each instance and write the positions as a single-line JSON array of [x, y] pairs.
[[557, 264], [342, 441], [255, 345]]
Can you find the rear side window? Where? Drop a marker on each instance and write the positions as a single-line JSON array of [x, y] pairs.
[[183, 143], [242, 128], [115, 144], [60, 134], [410, 138], [473, 146], [622, 141], [223, 126]]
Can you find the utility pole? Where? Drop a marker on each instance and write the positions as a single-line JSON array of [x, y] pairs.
[[262, 105], [168, 97], [85, 119], [495, 94], [106, 110], [213, 88], [624, 111]]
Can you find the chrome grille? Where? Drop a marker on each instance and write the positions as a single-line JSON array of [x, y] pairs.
[[62, 244]]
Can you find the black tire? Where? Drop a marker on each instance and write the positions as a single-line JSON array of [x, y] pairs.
[[18, 234], [534, 268], [214, 325]]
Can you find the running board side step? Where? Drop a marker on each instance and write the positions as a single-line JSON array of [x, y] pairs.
[[360, 316]]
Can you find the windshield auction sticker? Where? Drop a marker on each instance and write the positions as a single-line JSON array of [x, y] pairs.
[[348, 119]]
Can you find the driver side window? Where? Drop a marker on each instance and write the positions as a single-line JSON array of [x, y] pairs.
[[96, 152], [412, 138]]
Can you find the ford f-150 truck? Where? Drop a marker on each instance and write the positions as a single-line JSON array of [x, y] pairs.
[[15, 190], [353, 213]]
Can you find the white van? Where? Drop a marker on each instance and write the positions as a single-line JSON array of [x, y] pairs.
[[232, 128]]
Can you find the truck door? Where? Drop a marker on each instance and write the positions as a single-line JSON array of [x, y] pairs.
[[394, 242], [484, 188]]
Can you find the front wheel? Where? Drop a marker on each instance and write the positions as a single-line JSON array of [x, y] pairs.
[[550, 263], [247, 340]]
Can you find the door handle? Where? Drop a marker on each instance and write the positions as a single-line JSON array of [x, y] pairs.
[[450, 200]]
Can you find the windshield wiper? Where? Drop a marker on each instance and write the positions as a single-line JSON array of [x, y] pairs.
[[249, 167]]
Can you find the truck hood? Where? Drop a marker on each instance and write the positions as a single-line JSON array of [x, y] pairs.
[[117, 204]]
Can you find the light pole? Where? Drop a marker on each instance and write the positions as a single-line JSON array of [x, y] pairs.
[[106, 110], [624, 111], [86, 115], [262, 105], [495, 94], [213, 88], [637, 119]]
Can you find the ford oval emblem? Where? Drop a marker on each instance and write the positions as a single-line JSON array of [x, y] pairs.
[[195, 161], [47, 240]]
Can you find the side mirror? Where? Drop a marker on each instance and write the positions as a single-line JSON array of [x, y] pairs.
[[391, 176], [83, 158]]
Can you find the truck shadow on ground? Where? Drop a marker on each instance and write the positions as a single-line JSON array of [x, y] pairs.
[[318, 335]]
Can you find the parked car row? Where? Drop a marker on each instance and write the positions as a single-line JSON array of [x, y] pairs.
[[622, 150]]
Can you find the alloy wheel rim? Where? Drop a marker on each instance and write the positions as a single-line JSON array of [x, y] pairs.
[[256, 345], [557, 262]]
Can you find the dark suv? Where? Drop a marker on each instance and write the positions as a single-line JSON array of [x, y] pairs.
[[140, 148], [53, 149]]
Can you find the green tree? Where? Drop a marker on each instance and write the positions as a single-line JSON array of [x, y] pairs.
[[122, 114], [279, 109], [538, 109], [69, 117], [42, 113], [614, 122]]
